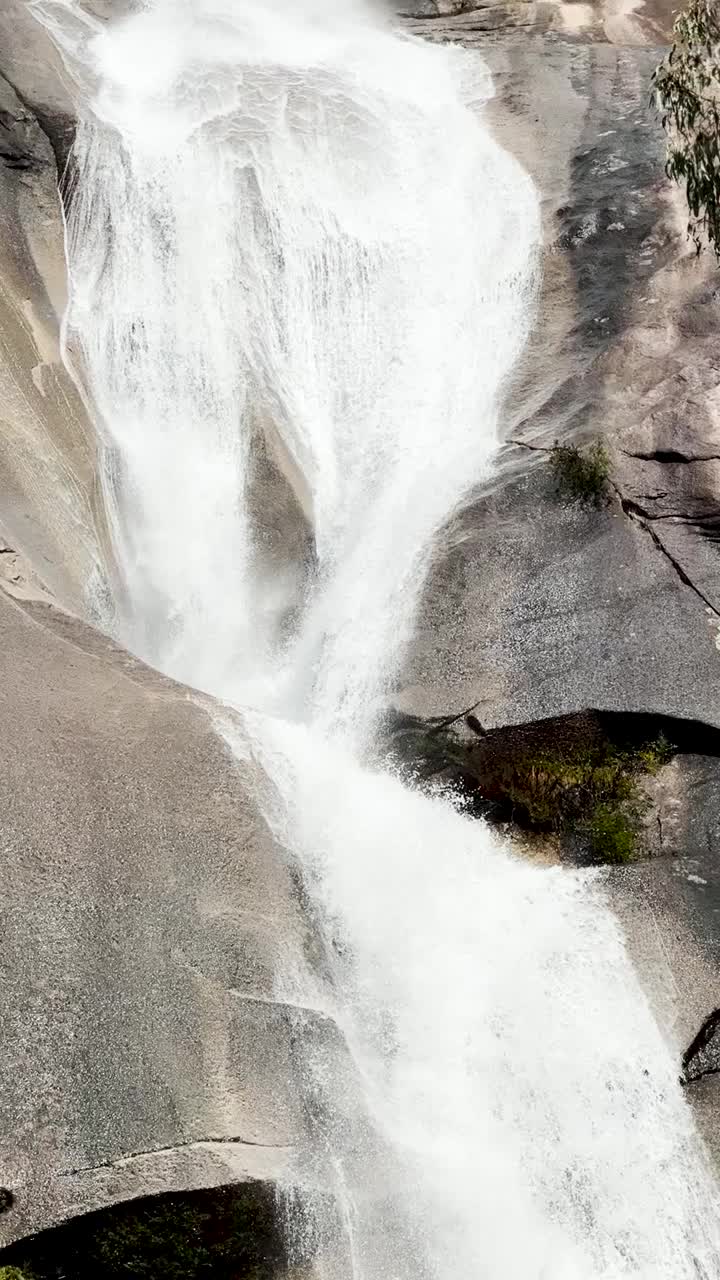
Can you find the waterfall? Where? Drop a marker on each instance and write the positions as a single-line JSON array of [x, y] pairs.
[[300, 272]]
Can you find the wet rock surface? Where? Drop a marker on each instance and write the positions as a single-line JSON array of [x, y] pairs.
[[612, 21], [615, 607], [222, 1233], [537, 608], [147, 912], [47, 447]]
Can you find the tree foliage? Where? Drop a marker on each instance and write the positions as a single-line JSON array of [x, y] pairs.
[[687, 91], [581, 475]]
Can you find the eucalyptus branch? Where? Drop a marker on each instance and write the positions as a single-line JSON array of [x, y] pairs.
[[686, 88]]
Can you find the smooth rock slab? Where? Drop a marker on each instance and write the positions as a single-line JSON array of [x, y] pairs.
[[48, 507], [146, 919], [535, 609]]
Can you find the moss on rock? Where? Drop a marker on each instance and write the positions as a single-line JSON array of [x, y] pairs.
[[581, 475], [591, 790], [579, 777]]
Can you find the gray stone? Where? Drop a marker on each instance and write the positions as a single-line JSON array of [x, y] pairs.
[[146, 920], [30, 63], [147, 915], [670, 910], [470, 17], [608, 21], [534, 608]]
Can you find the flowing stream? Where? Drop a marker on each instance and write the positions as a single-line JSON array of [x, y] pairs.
[[301, 271]]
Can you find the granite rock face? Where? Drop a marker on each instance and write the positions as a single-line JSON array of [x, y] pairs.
[[146, 921], [535, 608], [149, 919], [48, 508], [613, 21], [147, 915]]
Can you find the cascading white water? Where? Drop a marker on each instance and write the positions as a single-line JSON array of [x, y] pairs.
[[291, 238]]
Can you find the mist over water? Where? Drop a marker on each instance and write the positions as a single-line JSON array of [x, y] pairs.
[[300, 265]]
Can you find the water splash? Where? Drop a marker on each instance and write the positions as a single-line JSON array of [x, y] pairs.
[[301, 265]]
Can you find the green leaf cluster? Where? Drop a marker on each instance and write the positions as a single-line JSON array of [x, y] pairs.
[[686, 87], [581, 475], [612, 832]]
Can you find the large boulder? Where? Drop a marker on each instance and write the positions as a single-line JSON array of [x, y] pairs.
[[602, 20], [147, 920], [534, 607], [147, 916]]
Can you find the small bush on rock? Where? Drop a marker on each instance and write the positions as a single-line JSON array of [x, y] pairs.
[[581, 779], [581, 475], [612, 832], [591, 791]]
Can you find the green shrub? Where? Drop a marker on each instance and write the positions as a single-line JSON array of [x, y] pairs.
[[14, 1273], [590, 790], [612, 831], [581, 475], [653, 755], [687, 92], [152, 1244]]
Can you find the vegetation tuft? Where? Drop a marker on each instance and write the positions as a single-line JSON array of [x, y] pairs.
[[687, 91], [612, 831], [592, 790], [579, 777], [581, 475]]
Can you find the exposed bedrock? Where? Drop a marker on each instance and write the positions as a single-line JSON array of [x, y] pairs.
[[51, 504], [616, 21], [537, 608], [147, 921], [47, 446], [534, 607]]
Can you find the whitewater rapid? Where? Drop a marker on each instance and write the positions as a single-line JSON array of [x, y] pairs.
[[300, 273]]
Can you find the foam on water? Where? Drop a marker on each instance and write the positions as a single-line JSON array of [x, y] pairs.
[[296, 250]]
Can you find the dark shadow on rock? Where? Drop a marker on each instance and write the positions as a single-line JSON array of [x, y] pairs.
[[222, 1233], [702, 1056]]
